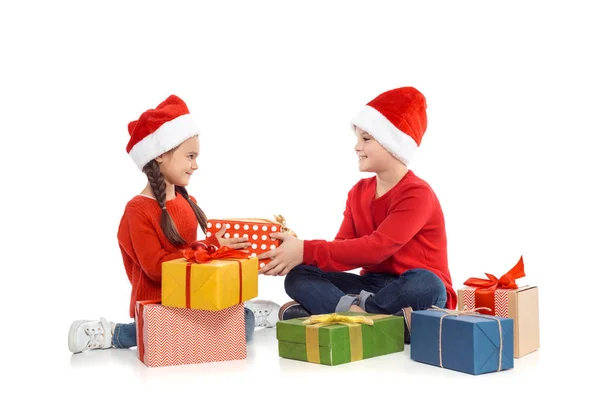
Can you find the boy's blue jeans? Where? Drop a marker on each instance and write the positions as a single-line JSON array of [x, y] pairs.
[[125, 336], [327, 292]]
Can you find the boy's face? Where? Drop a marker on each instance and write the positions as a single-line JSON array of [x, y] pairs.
[[372, 157]]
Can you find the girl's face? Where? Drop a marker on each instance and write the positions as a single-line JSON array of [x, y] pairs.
[[179, 164], [372, 157]]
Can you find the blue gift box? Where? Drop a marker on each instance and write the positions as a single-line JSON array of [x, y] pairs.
[[474, 344]]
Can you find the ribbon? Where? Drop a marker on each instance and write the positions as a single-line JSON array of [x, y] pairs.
[[474, 313], [140, 329], [485, 288], [353, 322], [334, 318], [140, 322], [201, 253], [281, 221]]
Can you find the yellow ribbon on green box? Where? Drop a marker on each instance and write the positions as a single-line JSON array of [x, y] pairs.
[[353, 322]]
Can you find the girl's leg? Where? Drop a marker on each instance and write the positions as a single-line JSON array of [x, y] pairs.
[[90, 335], [124, 336], [87, 335], [265, 312], [250, 323]]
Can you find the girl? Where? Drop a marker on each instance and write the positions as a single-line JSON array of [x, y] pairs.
[[158, 223], [393, 228]]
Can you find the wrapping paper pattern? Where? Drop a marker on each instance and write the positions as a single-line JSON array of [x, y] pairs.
[[334, 344], [215, 285], [175, 336], [468, 343], [256, 230], [500, 307]]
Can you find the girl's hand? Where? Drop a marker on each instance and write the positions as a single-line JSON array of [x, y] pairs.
[[233, 243]]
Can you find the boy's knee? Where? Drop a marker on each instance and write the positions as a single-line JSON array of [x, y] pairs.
[[288, 282], [432, 288], [291, 279]]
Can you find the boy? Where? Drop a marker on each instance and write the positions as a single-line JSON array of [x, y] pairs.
[[393, 228]]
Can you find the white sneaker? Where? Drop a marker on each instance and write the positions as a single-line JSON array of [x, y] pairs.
[[90, 335], [265, 312]]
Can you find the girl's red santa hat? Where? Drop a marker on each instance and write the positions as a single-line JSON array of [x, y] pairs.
[[397, 119], [159, 130]]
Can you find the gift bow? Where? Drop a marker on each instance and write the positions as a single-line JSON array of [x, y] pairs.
[[471, 312], [201, 253], [334, 318], [281, 221], [506, 281], [353, 322]]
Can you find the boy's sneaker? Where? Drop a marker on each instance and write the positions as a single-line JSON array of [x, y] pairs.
[[90, 335], [265, 312], [291, 310]]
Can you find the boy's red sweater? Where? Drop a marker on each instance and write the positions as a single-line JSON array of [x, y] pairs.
[[399, 231]]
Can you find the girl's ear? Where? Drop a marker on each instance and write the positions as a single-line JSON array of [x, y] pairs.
[[159, 159]]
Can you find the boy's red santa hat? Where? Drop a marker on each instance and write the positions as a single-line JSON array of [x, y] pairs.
[[159, 130], [397, 119]]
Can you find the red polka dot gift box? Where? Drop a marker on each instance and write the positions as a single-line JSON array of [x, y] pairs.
[[256, 230]]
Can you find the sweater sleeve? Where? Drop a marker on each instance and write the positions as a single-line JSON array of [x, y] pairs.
[[406, 217], [147, 248]]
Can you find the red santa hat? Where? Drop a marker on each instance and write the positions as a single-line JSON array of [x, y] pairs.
[[159, 130], [397, 120]]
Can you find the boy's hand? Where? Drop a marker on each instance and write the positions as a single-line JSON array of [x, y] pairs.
[[234, 243], [283, 258]]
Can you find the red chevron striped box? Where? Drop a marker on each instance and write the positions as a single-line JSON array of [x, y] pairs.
[[169, 336], [520, 304]]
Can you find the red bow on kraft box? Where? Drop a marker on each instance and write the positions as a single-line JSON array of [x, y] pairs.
[[492, 291]]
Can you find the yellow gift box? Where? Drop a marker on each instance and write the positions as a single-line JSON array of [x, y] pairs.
[[213, 285]]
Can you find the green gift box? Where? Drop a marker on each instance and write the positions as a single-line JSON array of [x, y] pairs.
[[340, 338]]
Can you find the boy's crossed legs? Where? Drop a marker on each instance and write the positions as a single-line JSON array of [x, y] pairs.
[[318, 292]]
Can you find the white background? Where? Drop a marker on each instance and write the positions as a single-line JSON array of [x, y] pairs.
[[512, 91]]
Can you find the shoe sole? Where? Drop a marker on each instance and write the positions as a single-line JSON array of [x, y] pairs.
[[285, 307], [73, 336]]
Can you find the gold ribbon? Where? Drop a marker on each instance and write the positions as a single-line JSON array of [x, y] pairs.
[[281, 221], [353, 322], [335, 318], [474, 313]]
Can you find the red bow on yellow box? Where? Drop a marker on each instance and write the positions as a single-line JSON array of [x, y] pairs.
[[200, 253], [485, 288]]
